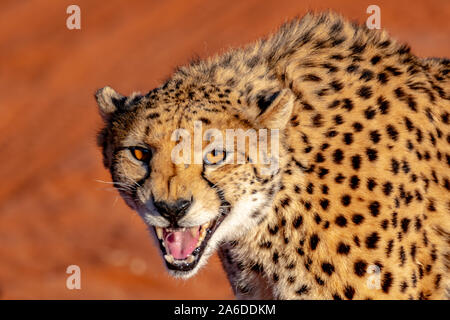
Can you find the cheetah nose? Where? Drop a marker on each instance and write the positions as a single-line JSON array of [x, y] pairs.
[[173, 211]]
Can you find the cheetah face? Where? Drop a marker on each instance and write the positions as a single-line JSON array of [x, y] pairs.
[[192, 191]]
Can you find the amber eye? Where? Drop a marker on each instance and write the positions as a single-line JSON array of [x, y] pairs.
[[215, 156], [141, 154]]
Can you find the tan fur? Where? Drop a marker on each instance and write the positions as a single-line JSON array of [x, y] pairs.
[[365, 158]]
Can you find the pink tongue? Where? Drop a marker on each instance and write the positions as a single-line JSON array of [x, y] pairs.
[[181, 243]]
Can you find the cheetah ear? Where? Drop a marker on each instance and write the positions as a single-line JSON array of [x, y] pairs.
[[109, 101], [276, 111]]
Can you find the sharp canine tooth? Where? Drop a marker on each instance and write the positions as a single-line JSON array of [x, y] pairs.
[[193, 231], [190, 259], [159, 232], [169, 258]]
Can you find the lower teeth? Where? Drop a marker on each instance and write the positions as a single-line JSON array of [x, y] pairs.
[[170, 259]]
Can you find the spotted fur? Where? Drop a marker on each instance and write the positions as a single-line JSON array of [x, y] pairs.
[[364, 180]]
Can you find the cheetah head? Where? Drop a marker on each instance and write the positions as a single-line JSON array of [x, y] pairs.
[[192, 191]]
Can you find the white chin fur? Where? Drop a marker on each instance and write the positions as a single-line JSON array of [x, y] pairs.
[[230, 229]]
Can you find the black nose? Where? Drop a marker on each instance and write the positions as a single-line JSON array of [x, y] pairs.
[[173, 211]]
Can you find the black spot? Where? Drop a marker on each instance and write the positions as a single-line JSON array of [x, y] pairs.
[[328, 268], [402, 256], [311, 77], [341, 221], [264, 101], [257, 268], [387, 188], [265, 244], [313, 241], [354, 182], [356, 240], [375, 136], [357, 219], [371, 184], [317, 218], [395, 166], [394, 219], [403, 286], [372, 240], [338, 119], [366, 75], [308, 149], [339, 178], [348, 104], [372, 154], [384, 224], [383, 105], [392, 132], [369, 113], [153, 115], [409, 124], [275, 257], [349, 292], [382, 77], [285, 202], [336, 85], [324, 203], [331, 68], [360, 268], [386, 282], [303, 290], [345, 200], [317, 120], [364, 92], [375, 59], [352, 68], [356, 162], [310, 188], [405, 166], [405, 224], [322, 172], [319, 281], [319, 158], [291, 279], [331, 133], [374, 208], [348, 138], [307, 205], [273, 230], [389, 247], [357, 126], [343, 248], [205, 121], [394, 71], [297, 222], [338, 156]]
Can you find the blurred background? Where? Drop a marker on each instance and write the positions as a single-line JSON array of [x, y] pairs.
[[53, 212]]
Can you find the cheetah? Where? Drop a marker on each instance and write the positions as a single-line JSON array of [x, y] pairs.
[[359, 205]]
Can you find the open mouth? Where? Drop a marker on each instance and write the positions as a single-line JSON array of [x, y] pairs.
[[183, 247]]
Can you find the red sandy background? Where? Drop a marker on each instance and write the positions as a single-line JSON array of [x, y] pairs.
[[53, 213]]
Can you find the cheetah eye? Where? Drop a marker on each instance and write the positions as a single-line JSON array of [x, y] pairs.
[[141, 154], [215, 156]]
